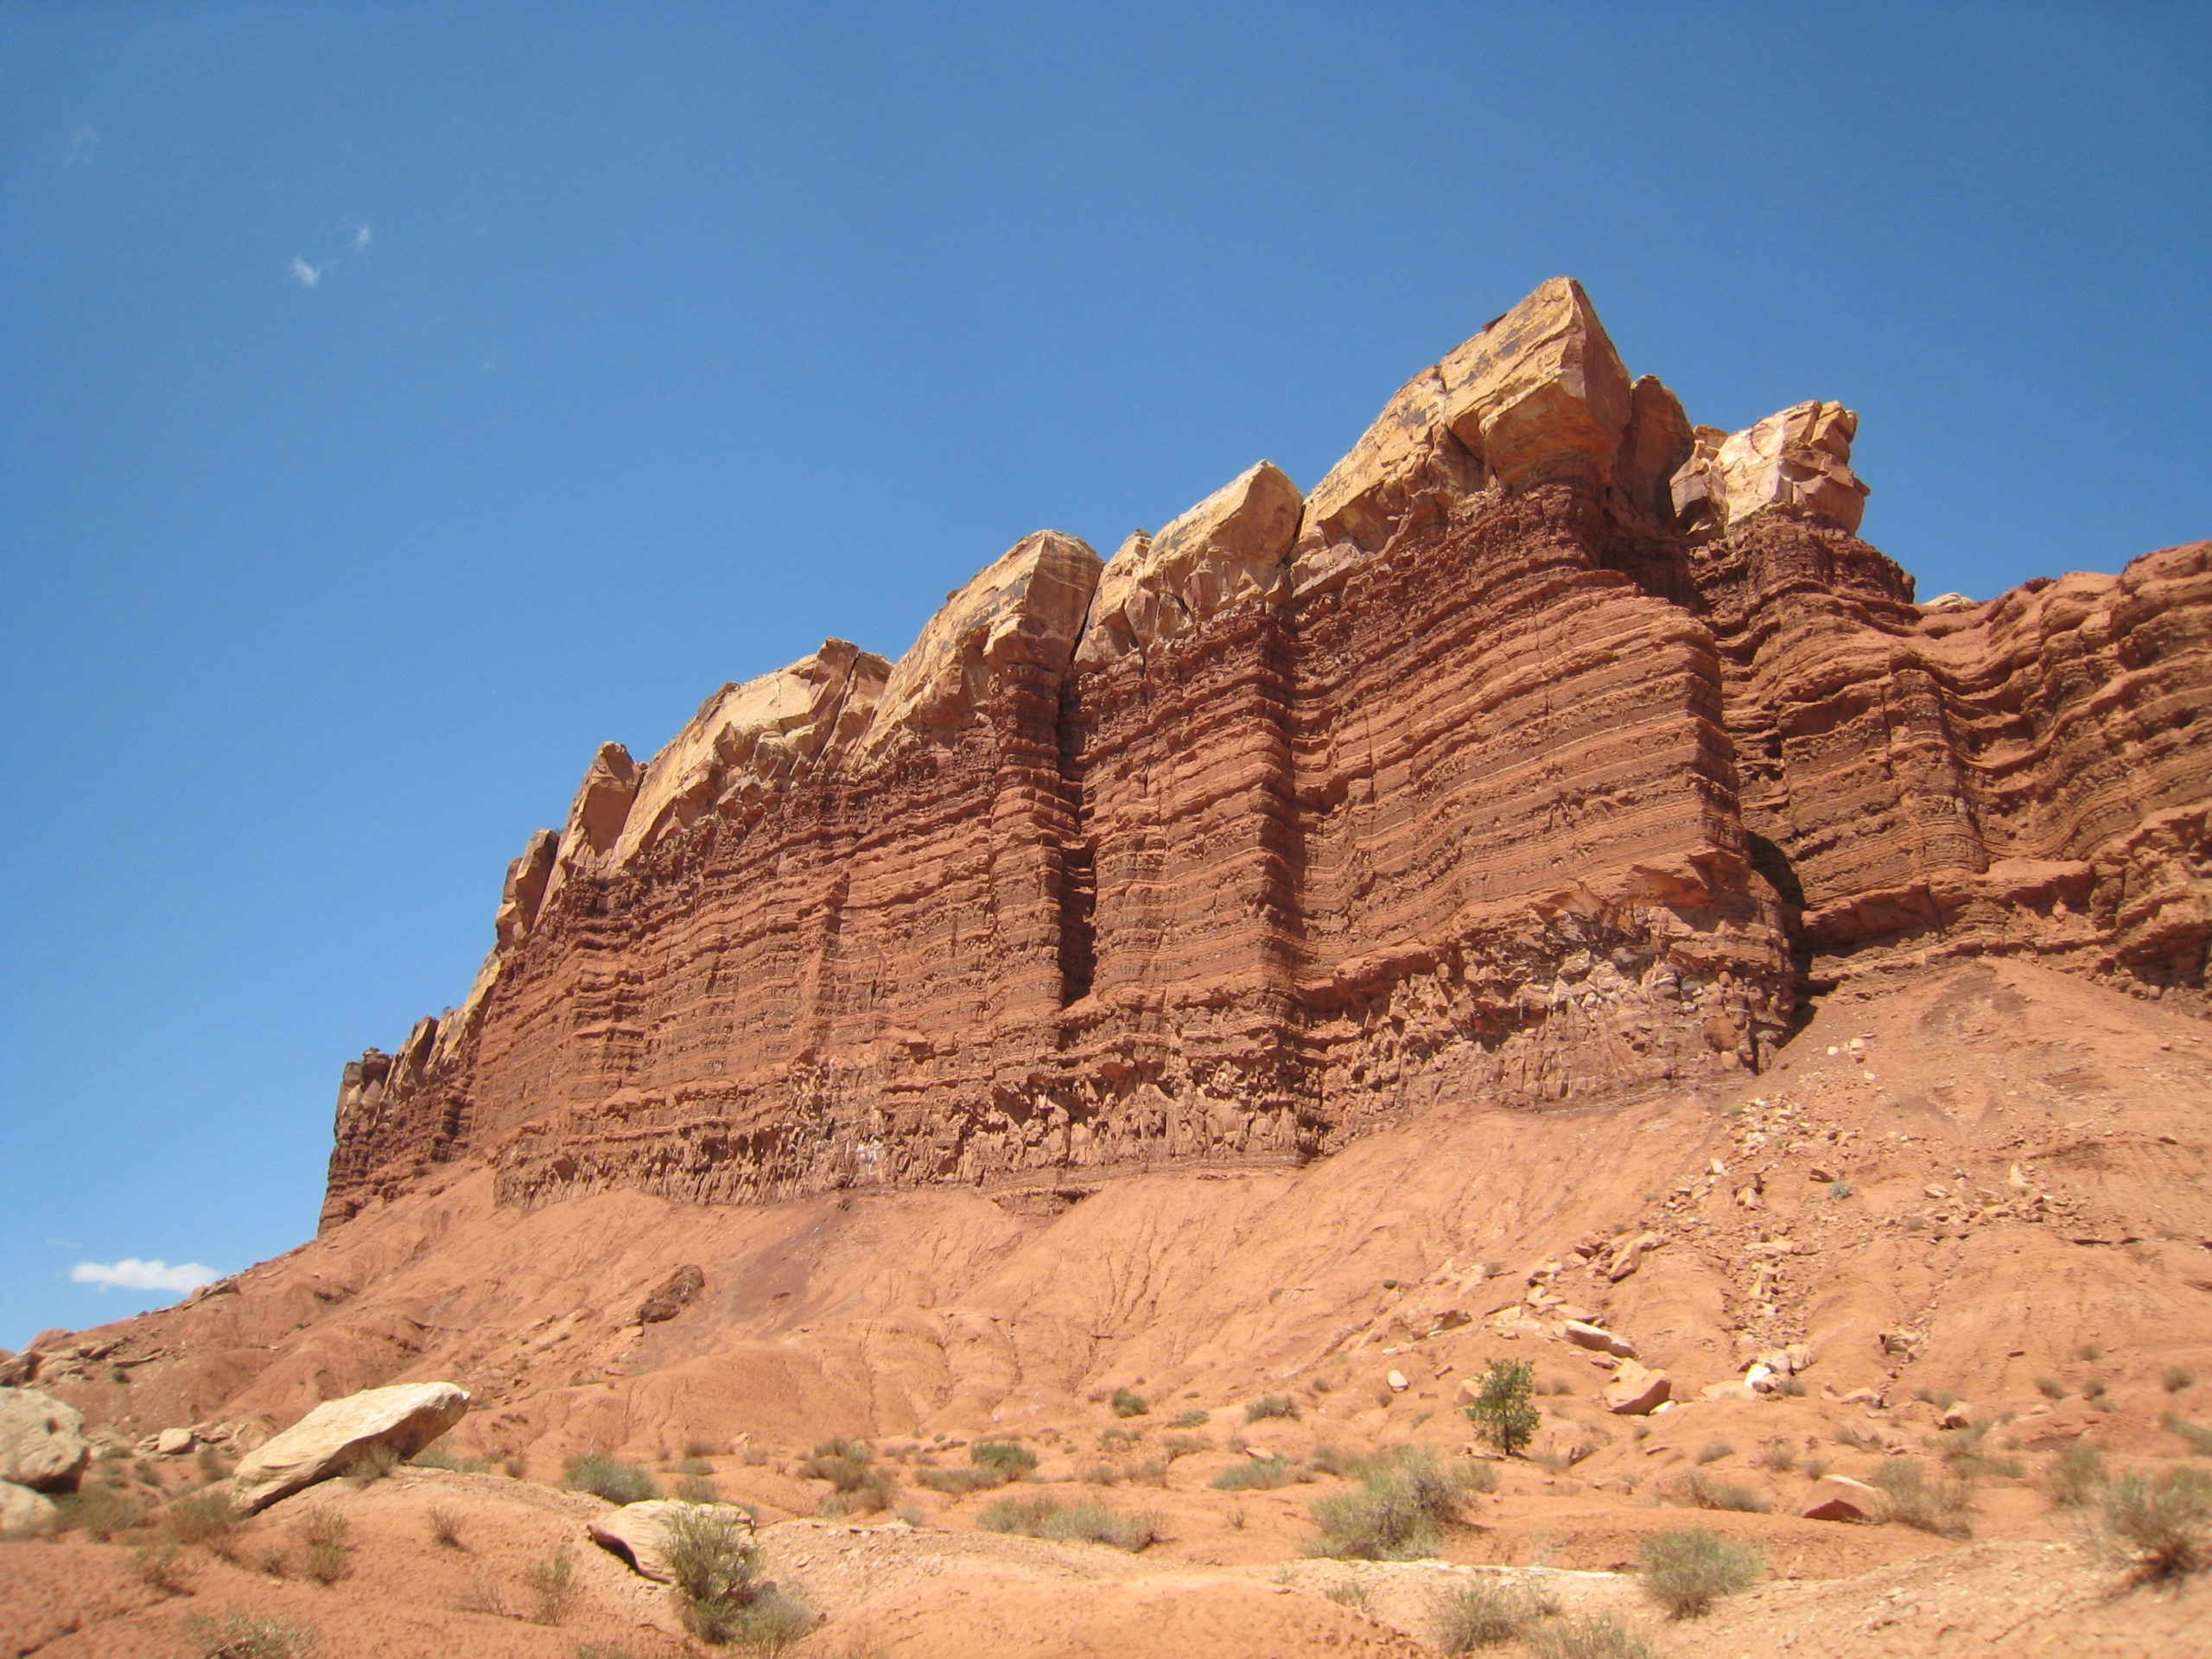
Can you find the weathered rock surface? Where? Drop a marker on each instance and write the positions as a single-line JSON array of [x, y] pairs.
[[1838, 1497], [1636, 1390], [40, 1445], [1228, 549], [404, 1418], [22, 1511], [1483, 772], [1797, 459], [640, 1533]]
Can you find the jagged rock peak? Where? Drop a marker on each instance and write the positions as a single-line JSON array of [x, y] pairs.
[[1230, 547], [1797, 461], [1026, 609], [1538, 393]]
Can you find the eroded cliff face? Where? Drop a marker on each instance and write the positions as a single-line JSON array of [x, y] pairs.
[[1553, 749]]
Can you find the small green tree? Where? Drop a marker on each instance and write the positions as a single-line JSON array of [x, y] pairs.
[[1503, 1412]]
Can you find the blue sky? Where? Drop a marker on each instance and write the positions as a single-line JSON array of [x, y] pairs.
[[397, 401]]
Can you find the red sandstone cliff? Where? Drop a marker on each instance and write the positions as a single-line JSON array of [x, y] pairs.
[[1550, 749]]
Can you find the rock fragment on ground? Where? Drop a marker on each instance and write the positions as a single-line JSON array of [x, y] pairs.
[[404, 1419]]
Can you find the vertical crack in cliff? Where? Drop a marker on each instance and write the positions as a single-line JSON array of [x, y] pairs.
[[1078, 863]]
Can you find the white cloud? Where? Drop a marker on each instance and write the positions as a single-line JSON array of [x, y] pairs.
[[361, 237], [305, 275], [131, 1273]]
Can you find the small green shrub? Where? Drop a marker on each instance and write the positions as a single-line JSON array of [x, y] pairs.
[[1492, 1611], [958, 1482], [1257, 1474], [372, 1464], [323, 1526], [2052, 1388], [205, 1519], [1714, 1450], [1192, 1419], [1040, 1516], [1502, 1411], [1706, 1493], [1271, 1405], [1012, 1459], [697, 1489], [1777, 1456], [697, 1447], [2199, 1438], [713, 1565], [1942, 1505], [1129, 1404], [2174, 1378], [445, 1527], [325, 1563], [552, 1585], [160, 1567], [1404, 1501], [242, 1636], [695, 1466], [2075, 1476], [436, 1457], [1595, 1635], [1686, 1571], [100, 1511], [2161, 1526], [610, 1478]]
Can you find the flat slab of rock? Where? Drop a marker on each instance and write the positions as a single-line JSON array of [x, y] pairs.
[[1636, 1390], [639, 1532], [1598, 1339], [40, 1445], [22, 1511], [1838, 1497], [405, 1417]]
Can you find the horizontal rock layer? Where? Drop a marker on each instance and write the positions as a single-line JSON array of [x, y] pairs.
[[1552, 749]]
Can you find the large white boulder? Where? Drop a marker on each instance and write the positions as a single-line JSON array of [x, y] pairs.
[[40, 1445], [405, 1417], [638, 1533]]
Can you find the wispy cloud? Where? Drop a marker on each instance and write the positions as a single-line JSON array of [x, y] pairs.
[[84, 145], [305, 275], [131, 1273], [361, 237]]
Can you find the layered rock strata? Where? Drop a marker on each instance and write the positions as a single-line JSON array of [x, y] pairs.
[[1551, 749]]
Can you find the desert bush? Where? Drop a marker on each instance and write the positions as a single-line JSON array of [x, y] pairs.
[[697, 1489], [2075, 1476], [1592, 1637], [2161, 1526], [1257, 1474], [1502, 1411], [713, 1565], [1271, 1405], [210, 1463], [163, 1567], [325, 1563], [1102, 1474], [1777, 1456], [205, 1519], [871, 1493], [372, 1464], [608, 1477], [323, 1526], [274, 1562], [1791, 1386], [1702, 1489], [2199, 1439], [1403, 1503], [242, 1636], [698, 1447], [1128, 1403], [1713, 1451], [1040, 1516], [958, 1482], [844, 1464], [552, 1585], [445, 1527], [1490, 1613], [1912, 1499], [1191, 1419], [100, 1511], [438, 1456], [2174, 1378], [1686, 1571], [695, 1466], [1011, 1458]]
